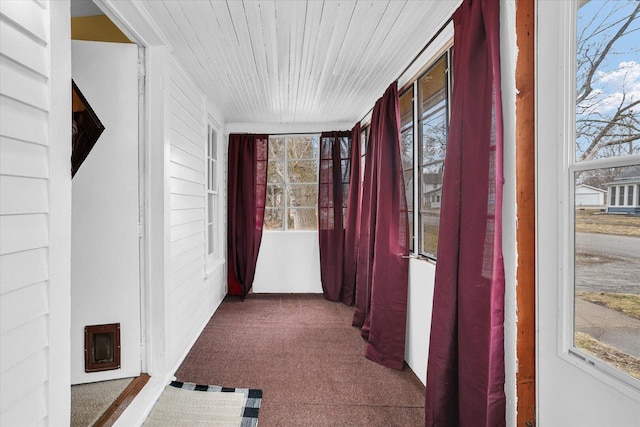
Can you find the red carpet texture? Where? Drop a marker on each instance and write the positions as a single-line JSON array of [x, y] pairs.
[[302, 351]]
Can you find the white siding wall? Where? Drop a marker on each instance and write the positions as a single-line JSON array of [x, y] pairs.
[[192, 299], [24, 212]]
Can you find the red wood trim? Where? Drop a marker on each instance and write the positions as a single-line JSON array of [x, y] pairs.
[[525, 198], [126, 397]]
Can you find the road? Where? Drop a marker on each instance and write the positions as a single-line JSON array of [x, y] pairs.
[[607, 263]]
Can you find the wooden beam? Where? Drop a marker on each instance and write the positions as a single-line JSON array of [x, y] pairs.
[[526, 208], [126, 397]]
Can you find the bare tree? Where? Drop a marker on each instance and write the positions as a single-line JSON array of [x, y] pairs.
[[606, 128]]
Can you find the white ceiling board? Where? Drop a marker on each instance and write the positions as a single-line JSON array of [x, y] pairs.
[[295, 61]]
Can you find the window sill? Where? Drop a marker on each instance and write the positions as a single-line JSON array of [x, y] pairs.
[[212, 266]]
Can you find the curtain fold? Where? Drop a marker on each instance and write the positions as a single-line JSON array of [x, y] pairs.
[[382, 266], [465, 374], [338, 211], [246, 194]]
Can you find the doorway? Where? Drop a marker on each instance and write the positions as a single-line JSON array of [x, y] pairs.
[[105, 237]]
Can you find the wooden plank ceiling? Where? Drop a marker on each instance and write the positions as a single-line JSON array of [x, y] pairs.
[[268, 61]]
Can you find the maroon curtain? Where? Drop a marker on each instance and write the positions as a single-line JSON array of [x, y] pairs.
[[465, 373], [246, 187], [382, 268], [338, 211]]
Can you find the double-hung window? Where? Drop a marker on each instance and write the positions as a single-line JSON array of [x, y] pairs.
[[212, 195], [434, 90], [292, 183], [605, 153]]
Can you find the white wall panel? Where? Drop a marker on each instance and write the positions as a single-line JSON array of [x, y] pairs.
[[20, 159]]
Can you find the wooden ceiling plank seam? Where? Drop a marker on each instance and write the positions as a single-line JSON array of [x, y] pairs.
[[368, 17], [252, 100], [270, 39], [283, 31], [325, 31], [337, 34], [370, 58], [312, 38], [186, 51], [301, 17], [397, 36], [236, 93], [226, 80], [256, 38], [215, 76], [253, 74]]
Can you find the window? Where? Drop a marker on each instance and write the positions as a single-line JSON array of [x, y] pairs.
[[292, 183], [433, 127], [606, 155], [406, 135], [212, 194]]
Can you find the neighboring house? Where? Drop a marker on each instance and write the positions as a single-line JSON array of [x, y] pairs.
[[623, 197], [182, 275], [590, 197]]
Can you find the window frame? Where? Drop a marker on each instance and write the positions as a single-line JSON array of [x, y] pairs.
[[286, 184], [445, 52], [212, 250], [570, 165]]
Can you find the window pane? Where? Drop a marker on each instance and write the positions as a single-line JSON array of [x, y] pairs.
[[275, 171], [303, 171], [606, 271], [302, 147], [274, 218], [302, 195], [612, 190], [630, 196], [275, 196], [433, 127], [408, 183], [276, 147], [607, 82], [210, 208], [302, 219], [621, 195]]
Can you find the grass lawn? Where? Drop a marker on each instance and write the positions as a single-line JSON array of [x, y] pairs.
[[627, 304], [590, 221], [611, 355]]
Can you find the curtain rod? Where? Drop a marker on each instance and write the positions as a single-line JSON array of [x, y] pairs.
[[415, 58]]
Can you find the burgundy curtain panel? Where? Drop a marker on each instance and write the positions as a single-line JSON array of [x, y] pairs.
[[465, 373], [382, 264], [338, 205], [247, 189]]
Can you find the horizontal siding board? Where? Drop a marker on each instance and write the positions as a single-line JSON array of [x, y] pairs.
[[28, 15], [23, 232], [23, 195], [28, 411], [22, 306], [22, 122], [186, 258], [186, 215], [180, 141], [23, 49], [20, 158], [26, 377], [186, 85], [193, 107], [15, 347], [178, 201], [195, 136], [188, 160], [20, 84], [179, 186], [184, 173], [192, 273], [182, 245], [22, 269], [186, 116], [185, 230]]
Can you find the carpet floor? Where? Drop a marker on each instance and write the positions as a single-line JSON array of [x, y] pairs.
[[89, 401], [302, 351]]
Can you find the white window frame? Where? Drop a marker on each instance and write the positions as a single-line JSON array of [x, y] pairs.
[[560, 161], [212, 183], [285, 182]]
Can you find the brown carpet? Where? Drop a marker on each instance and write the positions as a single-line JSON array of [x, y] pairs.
[[302, 351]]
